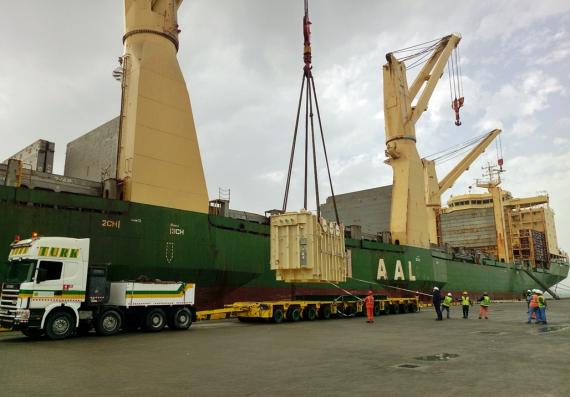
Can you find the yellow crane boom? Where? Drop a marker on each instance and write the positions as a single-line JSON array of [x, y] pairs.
[[464, 164]]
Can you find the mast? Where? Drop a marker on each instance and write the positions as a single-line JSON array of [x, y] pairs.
[[492, 184]]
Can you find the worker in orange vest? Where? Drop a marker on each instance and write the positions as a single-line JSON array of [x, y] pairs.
[[484, 301], [369, 303], [533, 307]]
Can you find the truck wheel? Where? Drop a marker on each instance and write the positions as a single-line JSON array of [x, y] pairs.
[[60, 325], [310, 314], [277, 315], [325, 312], [404, 308], [395, 308], [387, 309], [108, 323], [293, 314], [33, 333], [155, 320], [181, 319], [413, 308]]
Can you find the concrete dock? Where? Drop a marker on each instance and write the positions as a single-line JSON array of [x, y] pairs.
[[398, 355]]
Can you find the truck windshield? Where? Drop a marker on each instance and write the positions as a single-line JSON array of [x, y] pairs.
[[20, 271]]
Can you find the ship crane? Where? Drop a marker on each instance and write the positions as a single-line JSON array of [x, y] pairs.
[[408, 220], [435, 189], [158, 159]]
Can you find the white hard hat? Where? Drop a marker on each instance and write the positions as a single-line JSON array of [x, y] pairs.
[[449, 294], [535, 291], [528, 290], [435, 289], [539, 292]]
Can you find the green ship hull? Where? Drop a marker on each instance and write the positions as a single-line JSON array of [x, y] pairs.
[[228, 258]]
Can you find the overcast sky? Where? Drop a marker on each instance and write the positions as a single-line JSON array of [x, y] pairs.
[[242, 60]]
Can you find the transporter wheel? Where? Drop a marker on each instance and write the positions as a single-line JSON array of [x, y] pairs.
[[293, 314], [395, 308], [348, 310], [60, 325], [404, 308], [181, 318], [310, 314], [325, 312], [33, 333], [387, 309], [376, 310], [155, 320], [413, 308], [108, 323], [277, 315]]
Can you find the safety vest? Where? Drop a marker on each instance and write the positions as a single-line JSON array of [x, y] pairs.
[[465, 301], [541, 301], [369, 301], [447, 301], [534, 301], [486, 301]]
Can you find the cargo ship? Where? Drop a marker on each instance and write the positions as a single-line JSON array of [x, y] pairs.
[[228, 258], [151, 217]]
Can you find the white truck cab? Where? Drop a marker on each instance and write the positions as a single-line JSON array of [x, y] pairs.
[[52, 288]]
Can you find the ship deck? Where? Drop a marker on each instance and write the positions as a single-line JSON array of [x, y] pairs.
[[398, 355]]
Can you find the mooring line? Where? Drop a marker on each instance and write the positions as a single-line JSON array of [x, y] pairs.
[[390, 286], [343, 290]]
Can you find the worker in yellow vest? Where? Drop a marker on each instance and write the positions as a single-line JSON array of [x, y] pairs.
[[446, 303], [485, 302], [541, 316], [465, 303]]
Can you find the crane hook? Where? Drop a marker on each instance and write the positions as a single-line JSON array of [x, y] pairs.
[[457, 104]]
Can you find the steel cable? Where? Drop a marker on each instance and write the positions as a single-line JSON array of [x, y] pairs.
[[286, 196], [325, 150]]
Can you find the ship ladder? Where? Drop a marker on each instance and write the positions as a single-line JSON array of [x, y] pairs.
[[544, 286]]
